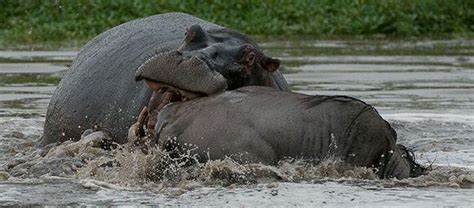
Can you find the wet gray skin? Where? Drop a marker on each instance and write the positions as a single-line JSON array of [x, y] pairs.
[[209, 62], [261, 125], [99, 90], [256, 124]]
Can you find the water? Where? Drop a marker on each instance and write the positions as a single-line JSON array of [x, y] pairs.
[[424, 89]]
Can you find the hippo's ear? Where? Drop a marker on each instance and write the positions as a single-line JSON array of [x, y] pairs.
[[249, 56], [195, 33], [194, 38], [269, 64], [246, 57]]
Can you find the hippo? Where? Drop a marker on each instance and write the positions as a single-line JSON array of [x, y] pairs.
[[258, 124], [197, 58]]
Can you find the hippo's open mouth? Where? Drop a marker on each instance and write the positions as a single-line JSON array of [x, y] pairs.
[[164, 94], [174, 77], [178, 94]]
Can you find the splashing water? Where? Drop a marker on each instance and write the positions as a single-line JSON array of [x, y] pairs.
[[128, 166]]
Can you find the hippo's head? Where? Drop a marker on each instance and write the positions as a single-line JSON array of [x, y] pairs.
[[208, 62], [401, 164]]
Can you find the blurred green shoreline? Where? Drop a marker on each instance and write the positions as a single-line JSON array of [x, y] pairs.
[[68, 24]]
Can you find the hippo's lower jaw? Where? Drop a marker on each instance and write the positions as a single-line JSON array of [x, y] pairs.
[[163, 94]]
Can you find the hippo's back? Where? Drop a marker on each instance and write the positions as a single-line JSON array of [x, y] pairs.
[[99, 91]]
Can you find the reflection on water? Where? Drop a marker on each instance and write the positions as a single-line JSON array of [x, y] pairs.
[[427, 95]]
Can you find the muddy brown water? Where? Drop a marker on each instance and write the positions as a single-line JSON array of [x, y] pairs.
[[427, 97]]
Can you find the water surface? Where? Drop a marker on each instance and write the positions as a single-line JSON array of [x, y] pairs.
[[424, 89]]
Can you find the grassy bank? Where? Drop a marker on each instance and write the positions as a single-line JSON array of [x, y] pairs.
[[31, 21]]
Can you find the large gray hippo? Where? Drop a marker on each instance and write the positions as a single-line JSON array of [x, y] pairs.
[[99, 91], [261, 124]]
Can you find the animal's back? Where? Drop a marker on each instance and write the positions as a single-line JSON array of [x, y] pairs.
[[270, 125]]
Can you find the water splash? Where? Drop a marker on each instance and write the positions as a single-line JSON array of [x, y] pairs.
[[129, 167]]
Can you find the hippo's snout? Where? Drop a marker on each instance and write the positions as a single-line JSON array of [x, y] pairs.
[[402, 164], [150, 69], [188, 73]]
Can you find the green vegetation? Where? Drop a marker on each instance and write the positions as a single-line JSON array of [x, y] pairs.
[[32, 79], [374, 49], [32, 21]]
